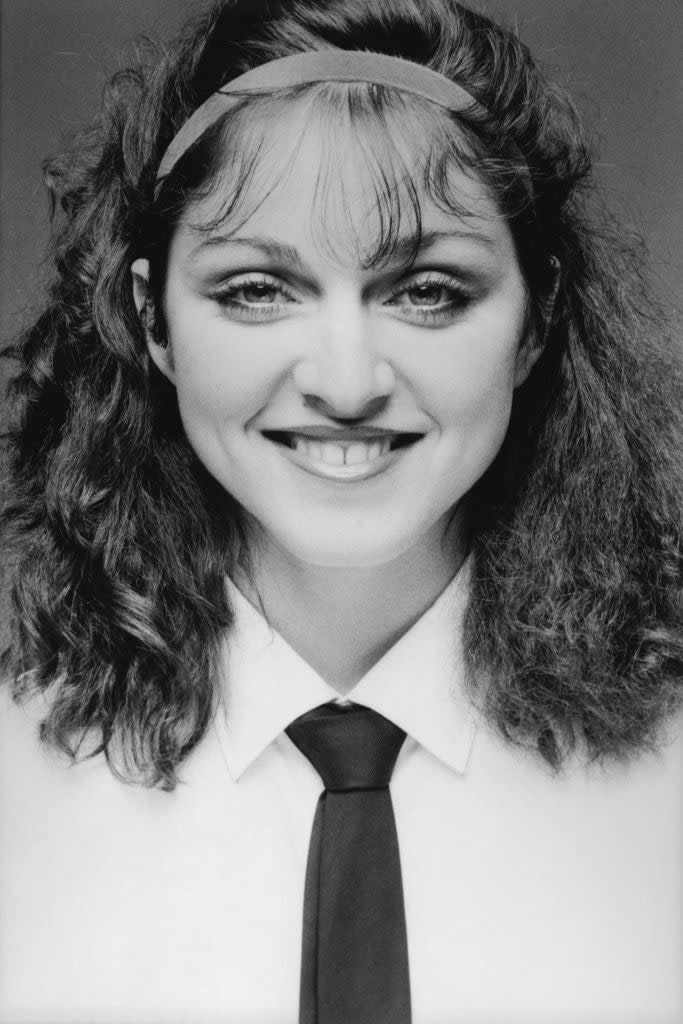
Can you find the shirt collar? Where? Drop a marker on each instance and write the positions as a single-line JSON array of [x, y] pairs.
[[418, 684]]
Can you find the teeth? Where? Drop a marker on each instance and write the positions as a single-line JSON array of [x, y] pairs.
[[332, 454], [357, 453]]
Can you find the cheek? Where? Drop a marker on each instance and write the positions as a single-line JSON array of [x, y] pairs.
[[473, 379], [222, 372]]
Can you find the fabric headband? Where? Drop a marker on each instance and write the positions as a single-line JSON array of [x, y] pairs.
[[320, 66]]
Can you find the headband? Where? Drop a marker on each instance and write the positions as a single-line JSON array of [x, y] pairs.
[[320, 66]]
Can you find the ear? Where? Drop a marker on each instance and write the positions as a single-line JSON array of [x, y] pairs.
[[529, 353], [534, 343], [161, 354]]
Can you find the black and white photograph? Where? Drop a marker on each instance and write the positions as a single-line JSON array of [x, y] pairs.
[[341, 563]]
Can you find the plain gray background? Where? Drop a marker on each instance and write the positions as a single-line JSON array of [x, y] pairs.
[[621, 60]]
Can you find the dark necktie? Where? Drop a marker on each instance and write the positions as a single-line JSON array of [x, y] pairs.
[[354, 967]]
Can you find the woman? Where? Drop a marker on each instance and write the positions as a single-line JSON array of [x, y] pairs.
[[341, 399]]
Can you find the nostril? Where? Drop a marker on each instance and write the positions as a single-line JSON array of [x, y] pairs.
[[368, 410]]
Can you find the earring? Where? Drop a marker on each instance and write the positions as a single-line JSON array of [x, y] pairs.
[[148, 317], [548, 305], [149, 322]]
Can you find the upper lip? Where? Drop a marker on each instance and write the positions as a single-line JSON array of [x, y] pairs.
[[327, 433]]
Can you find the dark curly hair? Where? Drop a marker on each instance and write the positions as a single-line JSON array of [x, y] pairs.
[[122, 538]]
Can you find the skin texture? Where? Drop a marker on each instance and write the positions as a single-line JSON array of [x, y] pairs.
[[260, 340]]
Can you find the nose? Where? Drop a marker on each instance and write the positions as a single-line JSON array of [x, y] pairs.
[[345, 378]]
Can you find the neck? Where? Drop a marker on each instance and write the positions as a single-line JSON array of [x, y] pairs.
[[343, 620]]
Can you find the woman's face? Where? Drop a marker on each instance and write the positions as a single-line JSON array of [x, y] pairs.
[[348, 410]]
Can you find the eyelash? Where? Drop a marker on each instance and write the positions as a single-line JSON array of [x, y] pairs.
[[225, 297], [461, 297]]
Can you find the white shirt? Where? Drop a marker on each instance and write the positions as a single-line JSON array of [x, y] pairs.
[[529, 898]]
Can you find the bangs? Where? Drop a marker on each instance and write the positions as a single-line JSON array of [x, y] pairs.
[[380, 154]]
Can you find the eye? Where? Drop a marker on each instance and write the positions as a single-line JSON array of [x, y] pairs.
[[254, 297], [431, 298], [257, 292], [427, 295]]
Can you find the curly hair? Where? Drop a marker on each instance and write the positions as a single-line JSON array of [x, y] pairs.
[[123, 540]]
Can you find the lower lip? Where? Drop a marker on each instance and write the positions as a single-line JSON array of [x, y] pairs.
[[344, 474]]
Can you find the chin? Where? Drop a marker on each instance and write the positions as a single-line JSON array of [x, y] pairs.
[[341, 551]]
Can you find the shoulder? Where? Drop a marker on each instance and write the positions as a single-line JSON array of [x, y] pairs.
[[26, 763], [19, 724], [644, 782], [655, 767], [34, 774]]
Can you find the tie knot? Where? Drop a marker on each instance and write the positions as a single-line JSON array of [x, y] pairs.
[[350, 747]]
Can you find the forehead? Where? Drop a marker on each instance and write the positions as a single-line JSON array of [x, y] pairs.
[[348, 187]]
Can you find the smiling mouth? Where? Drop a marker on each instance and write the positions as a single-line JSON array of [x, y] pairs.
[[343, 451], [292, 438]]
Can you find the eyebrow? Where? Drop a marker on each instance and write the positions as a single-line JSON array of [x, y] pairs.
[[402, 249], [278, 251]]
